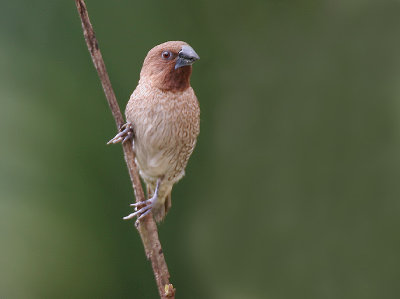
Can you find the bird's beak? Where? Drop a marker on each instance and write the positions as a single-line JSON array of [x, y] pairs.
[[186, 56]]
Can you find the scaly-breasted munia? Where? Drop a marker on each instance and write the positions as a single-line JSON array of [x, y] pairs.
[[163, 118]]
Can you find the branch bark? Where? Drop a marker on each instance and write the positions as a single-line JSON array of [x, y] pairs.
[[147, 227]]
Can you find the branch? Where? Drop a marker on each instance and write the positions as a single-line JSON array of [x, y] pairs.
[[147, 227]]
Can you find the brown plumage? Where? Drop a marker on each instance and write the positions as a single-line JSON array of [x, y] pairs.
[[164, 114]]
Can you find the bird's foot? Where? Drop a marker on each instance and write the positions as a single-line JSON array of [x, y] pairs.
[[142, 212], [125, 133]]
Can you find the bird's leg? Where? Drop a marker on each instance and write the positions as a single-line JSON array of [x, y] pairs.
[[125, 133], [148, 205]]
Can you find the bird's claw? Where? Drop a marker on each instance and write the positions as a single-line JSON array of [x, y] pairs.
[[148, 206], [125, 133], [142, 212]]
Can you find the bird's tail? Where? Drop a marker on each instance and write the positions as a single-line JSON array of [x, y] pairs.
[[162, 206]]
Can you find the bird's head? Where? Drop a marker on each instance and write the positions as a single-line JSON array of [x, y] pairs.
[[168, 66]]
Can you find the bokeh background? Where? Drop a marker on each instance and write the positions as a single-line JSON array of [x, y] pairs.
[[292, 192]]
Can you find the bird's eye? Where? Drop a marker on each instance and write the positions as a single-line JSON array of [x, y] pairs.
[[166, 55]]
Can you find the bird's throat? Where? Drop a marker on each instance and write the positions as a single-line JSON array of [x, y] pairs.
[[176, 80]]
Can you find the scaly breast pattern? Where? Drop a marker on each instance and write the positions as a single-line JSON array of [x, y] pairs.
[[166, 127]]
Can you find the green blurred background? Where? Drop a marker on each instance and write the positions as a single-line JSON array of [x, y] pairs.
[[292, 192]]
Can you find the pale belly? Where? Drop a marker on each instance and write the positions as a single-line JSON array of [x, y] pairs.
[[166, 161]]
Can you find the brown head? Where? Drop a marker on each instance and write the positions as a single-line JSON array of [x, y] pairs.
[[168, 66]]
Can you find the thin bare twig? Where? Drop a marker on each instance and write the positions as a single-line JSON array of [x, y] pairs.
[[147, 227]]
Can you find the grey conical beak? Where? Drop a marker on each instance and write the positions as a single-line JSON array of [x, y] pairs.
[[186, 56]]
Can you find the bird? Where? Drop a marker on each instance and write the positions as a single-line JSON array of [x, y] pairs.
[[163, 122]]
